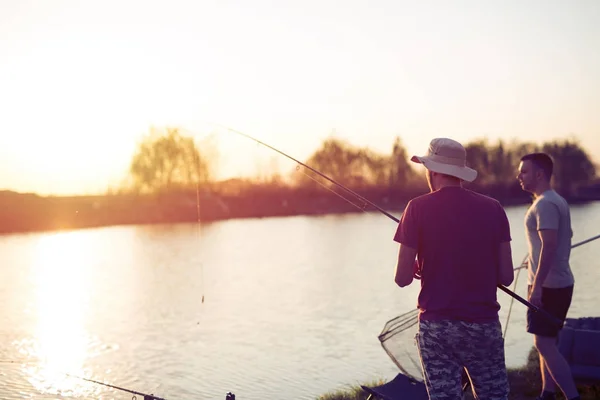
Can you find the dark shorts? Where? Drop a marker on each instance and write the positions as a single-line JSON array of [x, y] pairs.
[[555, 301]]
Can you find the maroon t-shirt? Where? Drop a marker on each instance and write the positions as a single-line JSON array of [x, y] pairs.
[[457, 235]]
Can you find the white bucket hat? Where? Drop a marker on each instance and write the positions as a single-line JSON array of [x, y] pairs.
[[447, 156]]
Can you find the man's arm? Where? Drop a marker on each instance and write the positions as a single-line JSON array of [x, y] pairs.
[[548, 219], [506, 272], [505, 265], [405, 266], [549, 238]]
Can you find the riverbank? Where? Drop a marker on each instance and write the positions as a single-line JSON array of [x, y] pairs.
[[525, 384], [25, 212]]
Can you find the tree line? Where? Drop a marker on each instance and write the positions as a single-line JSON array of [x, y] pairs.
[[178, 174], [167, 161]]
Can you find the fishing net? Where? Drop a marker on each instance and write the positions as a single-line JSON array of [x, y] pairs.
[[398, 340]]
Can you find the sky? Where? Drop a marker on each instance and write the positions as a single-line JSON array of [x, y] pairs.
[[82, 81]]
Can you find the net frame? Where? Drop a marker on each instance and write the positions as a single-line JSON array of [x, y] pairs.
[[392, 329]]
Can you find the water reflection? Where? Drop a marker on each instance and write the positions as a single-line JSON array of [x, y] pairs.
[[62, 281], [301, 298]]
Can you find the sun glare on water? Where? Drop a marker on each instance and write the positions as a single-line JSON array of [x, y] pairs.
[[60, 345]]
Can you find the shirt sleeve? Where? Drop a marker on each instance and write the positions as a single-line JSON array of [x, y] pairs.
[[547, 215], [504, 225], [407, 232]]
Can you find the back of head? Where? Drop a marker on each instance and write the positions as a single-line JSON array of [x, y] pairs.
[[541, 161]]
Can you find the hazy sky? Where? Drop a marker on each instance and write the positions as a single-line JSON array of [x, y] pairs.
[[82, 81]]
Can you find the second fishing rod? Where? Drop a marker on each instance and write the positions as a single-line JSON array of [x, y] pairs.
[[536, 309]]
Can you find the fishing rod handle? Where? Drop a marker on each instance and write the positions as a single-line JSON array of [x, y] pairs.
[[556, 321]]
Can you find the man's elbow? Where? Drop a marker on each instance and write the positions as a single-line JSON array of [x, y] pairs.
[[403, 281], [507, 279], [506, 273]]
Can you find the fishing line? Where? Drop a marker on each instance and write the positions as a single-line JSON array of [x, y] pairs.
[[199, 237], [313, 170], [362, 208], [198, 222], [512, 300], [501, 287]]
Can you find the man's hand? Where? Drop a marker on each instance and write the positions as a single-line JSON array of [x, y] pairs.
[[524, 264], [417, 269], [535, 297]]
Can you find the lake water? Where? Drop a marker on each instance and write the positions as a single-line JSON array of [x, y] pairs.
[[292, 306]]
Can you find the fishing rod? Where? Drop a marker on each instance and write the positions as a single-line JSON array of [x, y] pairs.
[[358, 196], [145, 396], [524, 265], [501, 287], [585, 241]]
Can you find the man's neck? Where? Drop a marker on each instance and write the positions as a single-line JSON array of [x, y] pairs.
[[542, 187], [442, 185]]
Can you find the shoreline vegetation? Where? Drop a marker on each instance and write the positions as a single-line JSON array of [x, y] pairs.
[[25, 212], [170, 180], [525, 384]]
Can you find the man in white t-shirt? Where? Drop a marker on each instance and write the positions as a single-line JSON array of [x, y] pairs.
[[550, 280]]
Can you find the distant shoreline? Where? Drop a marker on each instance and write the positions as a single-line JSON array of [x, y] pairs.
[[24, 213]]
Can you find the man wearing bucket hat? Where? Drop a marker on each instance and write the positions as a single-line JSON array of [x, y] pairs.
[[461, 242]]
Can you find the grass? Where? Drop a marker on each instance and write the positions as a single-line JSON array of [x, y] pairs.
[[525, 384], [353, 392]]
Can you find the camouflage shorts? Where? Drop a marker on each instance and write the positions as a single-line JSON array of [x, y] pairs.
[[446, 347]]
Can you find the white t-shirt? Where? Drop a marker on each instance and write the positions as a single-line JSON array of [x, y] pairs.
[[550, 211]]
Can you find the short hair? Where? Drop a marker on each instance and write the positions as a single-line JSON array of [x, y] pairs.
[[452, 177], [446, 176], [541, 161]]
